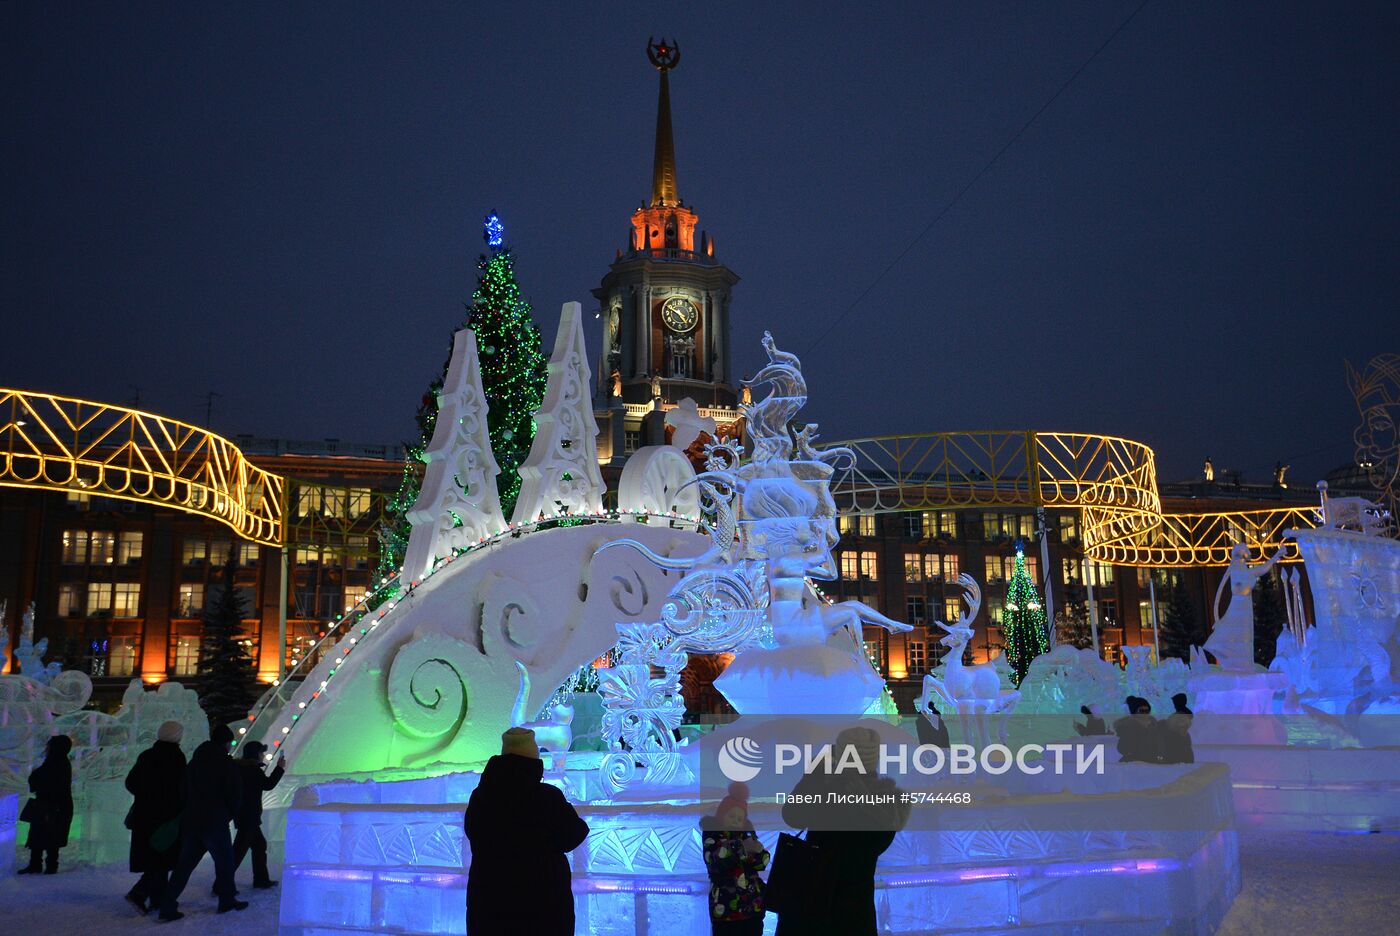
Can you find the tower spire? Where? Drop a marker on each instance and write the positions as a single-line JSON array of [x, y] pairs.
[[665, 56]]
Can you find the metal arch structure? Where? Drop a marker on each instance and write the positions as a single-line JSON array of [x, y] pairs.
[[1112, 482], [59, 443]]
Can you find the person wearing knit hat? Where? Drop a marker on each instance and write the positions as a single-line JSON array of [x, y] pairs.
[[520, 741], [520, 830], [733, 858], [157, 784]]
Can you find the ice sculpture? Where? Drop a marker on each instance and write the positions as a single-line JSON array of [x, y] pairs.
[[1231, 640], [458, 505], [687, 424], [30, 655], [1377, 392], [773, 524], [554, 733], [974, 692], [561, 475], [657, 479]]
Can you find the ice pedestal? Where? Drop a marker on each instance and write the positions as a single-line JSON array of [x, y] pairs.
[[1221, 692], [9, 823], [801, 680]]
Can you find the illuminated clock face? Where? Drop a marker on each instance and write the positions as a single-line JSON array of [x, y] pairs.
[[679, 314]]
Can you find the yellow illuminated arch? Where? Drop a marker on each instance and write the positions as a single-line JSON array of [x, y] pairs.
[[60, 443], [1110, 480]]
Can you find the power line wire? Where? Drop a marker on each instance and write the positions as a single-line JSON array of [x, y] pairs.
[[973, 181]]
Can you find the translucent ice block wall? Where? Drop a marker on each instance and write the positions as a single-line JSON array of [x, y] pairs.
[[9, 821], [391, 857]]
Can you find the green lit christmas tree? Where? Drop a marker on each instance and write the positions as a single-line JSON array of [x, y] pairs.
[[1024, 621], [513, 374]]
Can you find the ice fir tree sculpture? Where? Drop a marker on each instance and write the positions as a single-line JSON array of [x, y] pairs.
[[512, 375], [561, 473], [1024, 621], [457, 506]]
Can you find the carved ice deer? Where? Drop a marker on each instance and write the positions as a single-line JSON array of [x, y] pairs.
[[969, 690]]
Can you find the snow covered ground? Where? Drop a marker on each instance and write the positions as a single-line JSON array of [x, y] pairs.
[[1308, 884]]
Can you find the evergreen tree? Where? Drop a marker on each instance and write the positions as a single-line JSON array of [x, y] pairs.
[[227, 677], [1270, 616], [1024, 620], [1180, 627], [513, 373]]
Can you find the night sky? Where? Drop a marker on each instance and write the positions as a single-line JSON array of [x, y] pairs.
[[282, 203]]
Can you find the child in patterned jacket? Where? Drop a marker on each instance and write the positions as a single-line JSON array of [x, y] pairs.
[[734, 857]]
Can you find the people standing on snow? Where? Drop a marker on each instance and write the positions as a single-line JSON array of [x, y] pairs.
[[248, 819], [733, 858], [520, 829], [1175, 733], [213, 789], [850, 839], [157, 784], [50, 812]]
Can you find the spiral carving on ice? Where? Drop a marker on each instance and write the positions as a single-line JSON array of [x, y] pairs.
[[427, 692]]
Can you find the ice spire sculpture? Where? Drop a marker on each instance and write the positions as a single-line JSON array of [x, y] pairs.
[[561, 472], [458, 504]]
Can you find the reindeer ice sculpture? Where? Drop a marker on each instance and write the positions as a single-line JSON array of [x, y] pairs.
[[974, 692]]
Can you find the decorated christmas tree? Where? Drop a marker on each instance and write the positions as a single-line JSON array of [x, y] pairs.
[[227, 677], [512, 375], [1024, 620]]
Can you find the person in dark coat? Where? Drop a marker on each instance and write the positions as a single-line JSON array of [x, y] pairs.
[[1138, 733], [213, 789], [50, 812], [157, 784], [844, 899], [1093, 724], [520, 829], [931, 727], [248, 821], [1175, 733]]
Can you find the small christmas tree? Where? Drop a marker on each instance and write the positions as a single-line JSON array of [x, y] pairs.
[[513, 373], [227, 677], [1024, 620]]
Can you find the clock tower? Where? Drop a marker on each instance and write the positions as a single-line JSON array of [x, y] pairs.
[[664, 307]]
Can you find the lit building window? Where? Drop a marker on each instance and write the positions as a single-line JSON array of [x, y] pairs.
[[995, 570], [995, 611], [913, 567], [99, 597], [186, 661], [952, 609], [126, 601], [308, 555], [360, 501], [950, 567], [850, 565], [121, 656], [875, 653], [917, 659], [70, 600], [1100, 573], [129, 547], [1032, 567], [219, 551], [103, 548], [75, 546], [191, 601], [1069, 527], [866, 525], [946, 522], [248, 554], [78, 498], [194, 550], [869, 565], [354, 594]]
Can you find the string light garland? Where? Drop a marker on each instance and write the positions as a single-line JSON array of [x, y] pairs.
[[1023, 622]]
